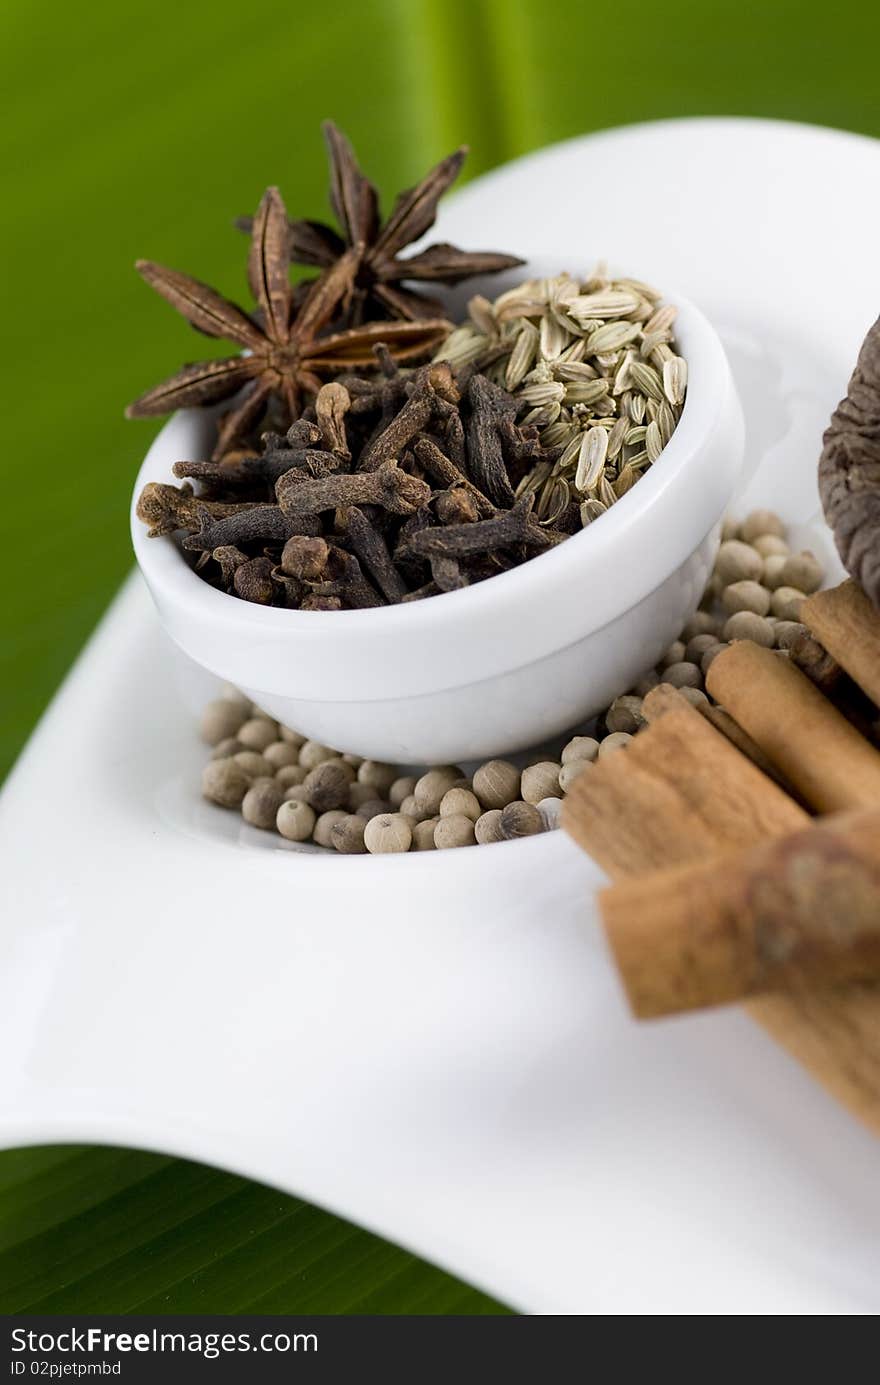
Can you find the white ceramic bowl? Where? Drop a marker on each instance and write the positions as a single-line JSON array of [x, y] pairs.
[[496, 667]]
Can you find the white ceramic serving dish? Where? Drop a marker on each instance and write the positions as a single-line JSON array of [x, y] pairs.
[[504, 664], [436, 1045]]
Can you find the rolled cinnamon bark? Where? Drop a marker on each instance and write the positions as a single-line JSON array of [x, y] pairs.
[[834, 1033], [800, 911], [848, 625], [807, 739], [679, 792], [666, 698]]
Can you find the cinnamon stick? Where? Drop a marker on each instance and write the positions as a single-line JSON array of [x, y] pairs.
[[806, 738], [834, 1034], [665, 697], [679, 792], [801, 910], [848, 625]]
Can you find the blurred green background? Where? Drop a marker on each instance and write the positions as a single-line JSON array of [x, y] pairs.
[[143, 129]]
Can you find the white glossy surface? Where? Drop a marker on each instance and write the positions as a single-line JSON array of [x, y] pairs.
[[466, 675], [435, 1047]]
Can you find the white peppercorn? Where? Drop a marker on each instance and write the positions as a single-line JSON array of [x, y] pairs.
[[570, 772], [295, 820], [487, 827], [625, 713], [540, 781], [347, 835], [379, 776], [761, 522], [695, 696], [280, 753], [770, 546], [260, 804], [674, 654], [354, 760], [454, 830], [551, 813], [520, 819], [496, 783], [745, 625], [313, 753], [423, 835], [711, 653], [386, 833], [803, 572], [410, 808], [786, 603], [230, 693], [222, 719], [746, 596], [226, 748], [738, 562], [373, 808], [683, 675], [697, 647], [291, 737], [401, 788], [771, 577], [459, 800], [618, 740], [295, 793], [431, 787], [700, 623], [359, 794], [788, 632], [257, 733], [729, 528], [327, 785], [225, 782], [289, 774], [256, 766], [580, 748], [324, 824]]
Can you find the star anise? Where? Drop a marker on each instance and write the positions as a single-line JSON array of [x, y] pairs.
[[285, 353], [380, 271]]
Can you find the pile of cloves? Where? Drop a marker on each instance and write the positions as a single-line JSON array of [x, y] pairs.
[[390, 487]]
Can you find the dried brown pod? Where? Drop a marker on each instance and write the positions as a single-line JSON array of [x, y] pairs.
[[288, 351], [849, 470], [378, 284]]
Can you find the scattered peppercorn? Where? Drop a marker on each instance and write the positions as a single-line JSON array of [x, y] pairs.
[[223, 719], [459, 800], [520, 819], [309, 792], [225, 782], [261, 803], [496, 783], [257, 733], [387, 832]]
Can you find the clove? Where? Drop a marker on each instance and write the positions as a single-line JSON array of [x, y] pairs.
[[252, 581], [262, 524], [370, 547], [506, 529], [168, 508], [332, 403], [489, 407], [432, 384], [388, 487], [442, 469]]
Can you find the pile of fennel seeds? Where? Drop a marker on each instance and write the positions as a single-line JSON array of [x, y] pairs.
[[595, 365]]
